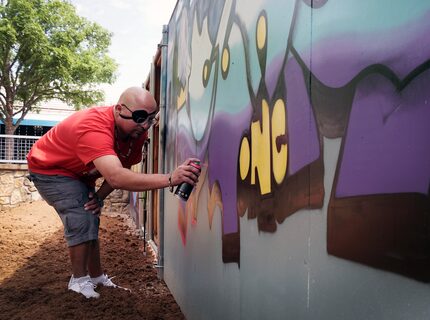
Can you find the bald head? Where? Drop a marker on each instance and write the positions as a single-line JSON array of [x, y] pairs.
[[134, 102], [138, 98]]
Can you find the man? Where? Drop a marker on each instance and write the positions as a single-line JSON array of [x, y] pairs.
[[66, 161]]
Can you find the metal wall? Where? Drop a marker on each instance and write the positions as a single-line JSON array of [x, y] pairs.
[[312, 121]]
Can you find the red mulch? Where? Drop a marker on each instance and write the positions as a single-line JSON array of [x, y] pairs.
[[35, 270]]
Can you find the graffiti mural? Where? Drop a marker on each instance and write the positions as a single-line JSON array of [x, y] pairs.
[[255, 89]]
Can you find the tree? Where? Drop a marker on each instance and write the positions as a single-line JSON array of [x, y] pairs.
[[48, 52]]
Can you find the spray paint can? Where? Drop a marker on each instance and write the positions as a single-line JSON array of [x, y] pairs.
[[183, 191]]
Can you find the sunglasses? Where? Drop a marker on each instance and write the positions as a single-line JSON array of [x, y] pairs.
[[139, 116]]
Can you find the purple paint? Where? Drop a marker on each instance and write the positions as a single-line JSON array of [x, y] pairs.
[[303, 146], [387, 145], [224, 145], [302, 131]]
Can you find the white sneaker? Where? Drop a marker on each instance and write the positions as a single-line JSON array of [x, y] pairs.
[[106, 281], [83, 285]]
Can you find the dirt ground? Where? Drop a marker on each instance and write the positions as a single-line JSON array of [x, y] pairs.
[[35, 270]]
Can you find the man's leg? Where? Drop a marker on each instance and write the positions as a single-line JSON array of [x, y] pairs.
[[98, 277], [93, 262], [68, 197], [79, 259]]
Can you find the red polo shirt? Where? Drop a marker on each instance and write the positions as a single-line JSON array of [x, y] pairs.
[[69, 148]]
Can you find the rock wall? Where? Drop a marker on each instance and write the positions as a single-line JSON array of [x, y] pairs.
[[117, 201], [16, 188]]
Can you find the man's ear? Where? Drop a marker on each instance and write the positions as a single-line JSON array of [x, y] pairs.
[[118, 108]]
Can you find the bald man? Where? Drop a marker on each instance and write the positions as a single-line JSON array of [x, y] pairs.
[[96, 142]]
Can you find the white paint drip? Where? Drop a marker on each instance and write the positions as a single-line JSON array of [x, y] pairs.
[[309, 274]]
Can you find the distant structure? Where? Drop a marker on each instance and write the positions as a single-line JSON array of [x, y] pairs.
[[38, 123]]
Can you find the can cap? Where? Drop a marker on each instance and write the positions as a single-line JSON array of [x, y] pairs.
[[195, 164]]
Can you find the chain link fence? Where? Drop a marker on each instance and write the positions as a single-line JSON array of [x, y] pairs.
[[14, 148]]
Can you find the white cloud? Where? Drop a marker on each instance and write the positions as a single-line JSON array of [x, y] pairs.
[[137, 29]]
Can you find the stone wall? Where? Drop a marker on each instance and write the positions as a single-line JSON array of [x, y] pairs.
[[117, 201], [15, 188]]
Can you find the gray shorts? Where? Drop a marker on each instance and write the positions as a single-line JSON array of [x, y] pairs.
[[68, 196]]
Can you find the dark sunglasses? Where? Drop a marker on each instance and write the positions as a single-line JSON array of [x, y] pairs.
[[139, 116]]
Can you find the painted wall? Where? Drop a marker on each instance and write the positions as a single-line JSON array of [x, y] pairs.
[[312, 119]]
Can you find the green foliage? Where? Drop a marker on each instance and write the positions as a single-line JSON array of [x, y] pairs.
[[47, 51]]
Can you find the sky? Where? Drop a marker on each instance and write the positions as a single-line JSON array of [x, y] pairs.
[[137, 30]]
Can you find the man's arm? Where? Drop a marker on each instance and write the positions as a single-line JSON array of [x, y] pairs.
[[104, 190], [119, 177], [94, 204]]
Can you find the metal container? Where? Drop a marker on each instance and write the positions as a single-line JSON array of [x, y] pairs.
[[184, 190]]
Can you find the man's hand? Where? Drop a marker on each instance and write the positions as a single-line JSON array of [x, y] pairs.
[[186, 173], [94, 205]]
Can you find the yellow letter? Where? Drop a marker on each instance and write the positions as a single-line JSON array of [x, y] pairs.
[[244, 158], [261, 150], [278, 129]]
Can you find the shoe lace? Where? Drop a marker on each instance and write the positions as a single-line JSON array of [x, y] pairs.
[[108, 282], [87, 284]]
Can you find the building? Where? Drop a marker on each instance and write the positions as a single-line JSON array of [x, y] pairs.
[[38, 123], [312, 121], [34, 125]]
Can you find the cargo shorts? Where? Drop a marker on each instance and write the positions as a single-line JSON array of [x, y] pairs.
[[68, 196]]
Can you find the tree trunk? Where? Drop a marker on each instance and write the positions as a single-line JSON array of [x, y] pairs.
[[9, 143]]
